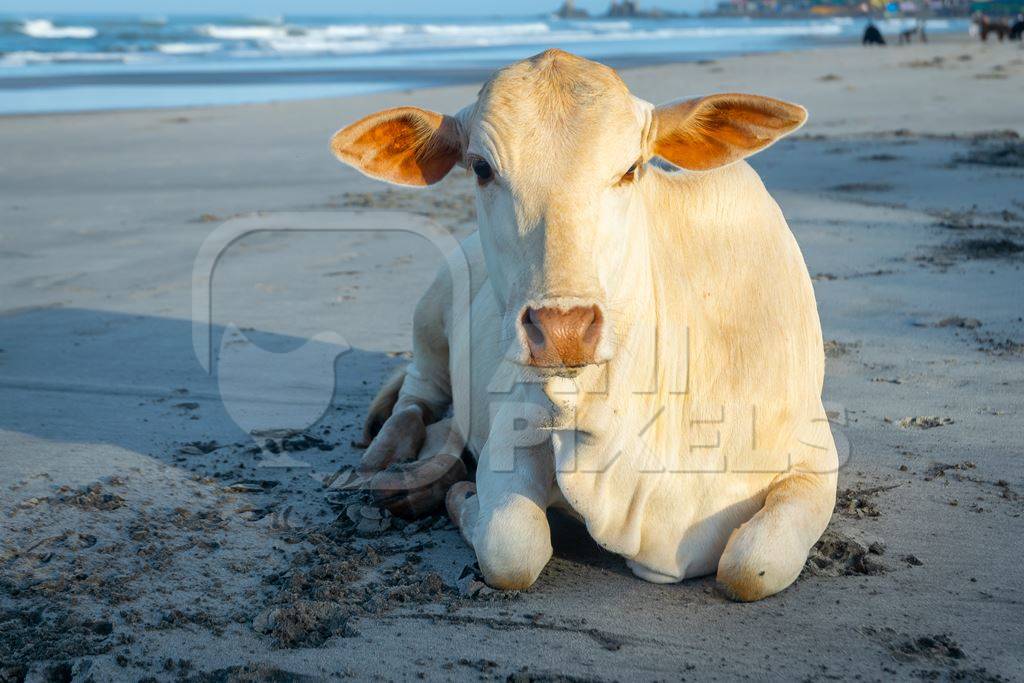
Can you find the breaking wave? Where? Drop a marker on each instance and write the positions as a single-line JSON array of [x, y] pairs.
[[44, 28]]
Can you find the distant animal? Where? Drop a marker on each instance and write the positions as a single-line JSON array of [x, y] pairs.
[[872, 36], [907, 36], [987, 26], [1017, 30], [642, 349]]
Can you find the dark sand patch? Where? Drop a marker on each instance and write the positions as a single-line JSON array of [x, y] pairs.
[[837, 349], [924, 422], [884, 157], [1001, 348], [250, 673], [836, 554], [975, 249], [962, 472], [986, 248], [365, 563], [859, 502], [958, 321], [863, 187], [941, 655], [933, 63], [1005, 222], [939, 469], [1005, 153], [91, 497]]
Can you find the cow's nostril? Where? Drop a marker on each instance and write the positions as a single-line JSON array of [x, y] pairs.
[[532, 325], [562, 337], [593, 332]]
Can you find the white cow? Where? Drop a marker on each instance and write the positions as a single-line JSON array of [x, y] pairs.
[[645, 350]]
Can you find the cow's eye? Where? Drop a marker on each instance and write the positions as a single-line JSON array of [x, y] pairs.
[[483, 170], [630, 175]]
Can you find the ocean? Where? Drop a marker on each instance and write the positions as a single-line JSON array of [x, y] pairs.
[[83, 63]]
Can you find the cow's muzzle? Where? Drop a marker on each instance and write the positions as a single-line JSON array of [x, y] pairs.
[[562, 338]]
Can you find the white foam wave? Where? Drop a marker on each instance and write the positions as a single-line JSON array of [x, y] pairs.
[[242, 32], [368, 38], [601, 26], [187, 48], [44, 28], [485, 29], [320, 46], [362, 30], [257, 38], [895, 24]]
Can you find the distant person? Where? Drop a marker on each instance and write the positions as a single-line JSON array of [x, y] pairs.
[[1017, 30], [872, 36]]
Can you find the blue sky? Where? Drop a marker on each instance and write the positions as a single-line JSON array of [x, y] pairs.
[[340, 7]]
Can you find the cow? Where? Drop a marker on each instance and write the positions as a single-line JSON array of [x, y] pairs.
[[642, 348], [986, 25]]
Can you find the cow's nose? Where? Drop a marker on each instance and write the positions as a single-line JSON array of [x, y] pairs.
[[562, 338]]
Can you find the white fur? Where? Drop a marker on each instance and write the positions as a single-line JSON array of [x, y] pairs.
[[700, 443]]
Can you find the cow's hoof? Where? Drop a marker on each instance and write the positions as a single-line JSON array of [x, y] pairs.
[[414, 488], [399, 440], [512, 543], [742, 588], [756, 564], [456, 498], [417, 489]]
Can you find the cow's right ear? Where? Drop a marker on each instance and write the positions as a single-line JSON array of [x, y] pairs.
[[407, 145], [713, 131]]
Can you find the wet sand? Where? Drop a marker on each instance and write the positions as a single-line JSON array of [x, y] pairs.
[[144, 533]]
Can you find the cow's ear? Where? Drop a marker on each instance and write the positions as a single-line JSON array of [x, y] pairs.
[[713, 131], [406, 145]]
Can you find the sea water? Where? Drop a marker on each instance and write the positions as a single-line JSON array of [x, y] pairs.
[[79, 63]]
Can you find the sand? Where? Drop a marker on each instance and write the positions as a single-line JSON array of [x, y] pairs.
[[146, 535]]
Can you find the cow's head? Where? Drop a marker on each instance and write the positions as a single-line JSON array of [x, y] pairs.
[[558, 147]]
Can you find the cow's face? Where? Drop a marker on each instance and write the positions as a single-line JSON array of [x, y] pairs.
[[557, 148]]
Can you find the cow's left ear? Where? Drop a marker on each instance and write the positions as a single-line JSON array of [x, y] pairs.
[[406, 145], [713, 131]]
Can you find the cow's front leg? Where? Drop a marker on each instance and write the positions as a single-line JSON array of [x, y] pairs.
[[766, 554], [503, 517]]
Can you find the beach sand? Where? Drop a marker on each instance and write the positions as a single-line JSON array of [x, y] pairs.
[[145, 534]]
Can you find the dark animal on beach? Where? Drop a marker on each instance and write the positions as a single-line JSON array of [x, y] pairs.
[[872, 36], [986, 26], [1018, 28], [908, 35]]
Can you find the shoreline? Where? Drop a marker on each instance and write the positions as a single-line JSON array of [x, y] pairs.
[[364, 81], [848, 89]]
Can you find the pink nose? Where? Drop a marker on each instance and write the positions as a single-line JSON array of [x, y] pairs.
[[562, 338]]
